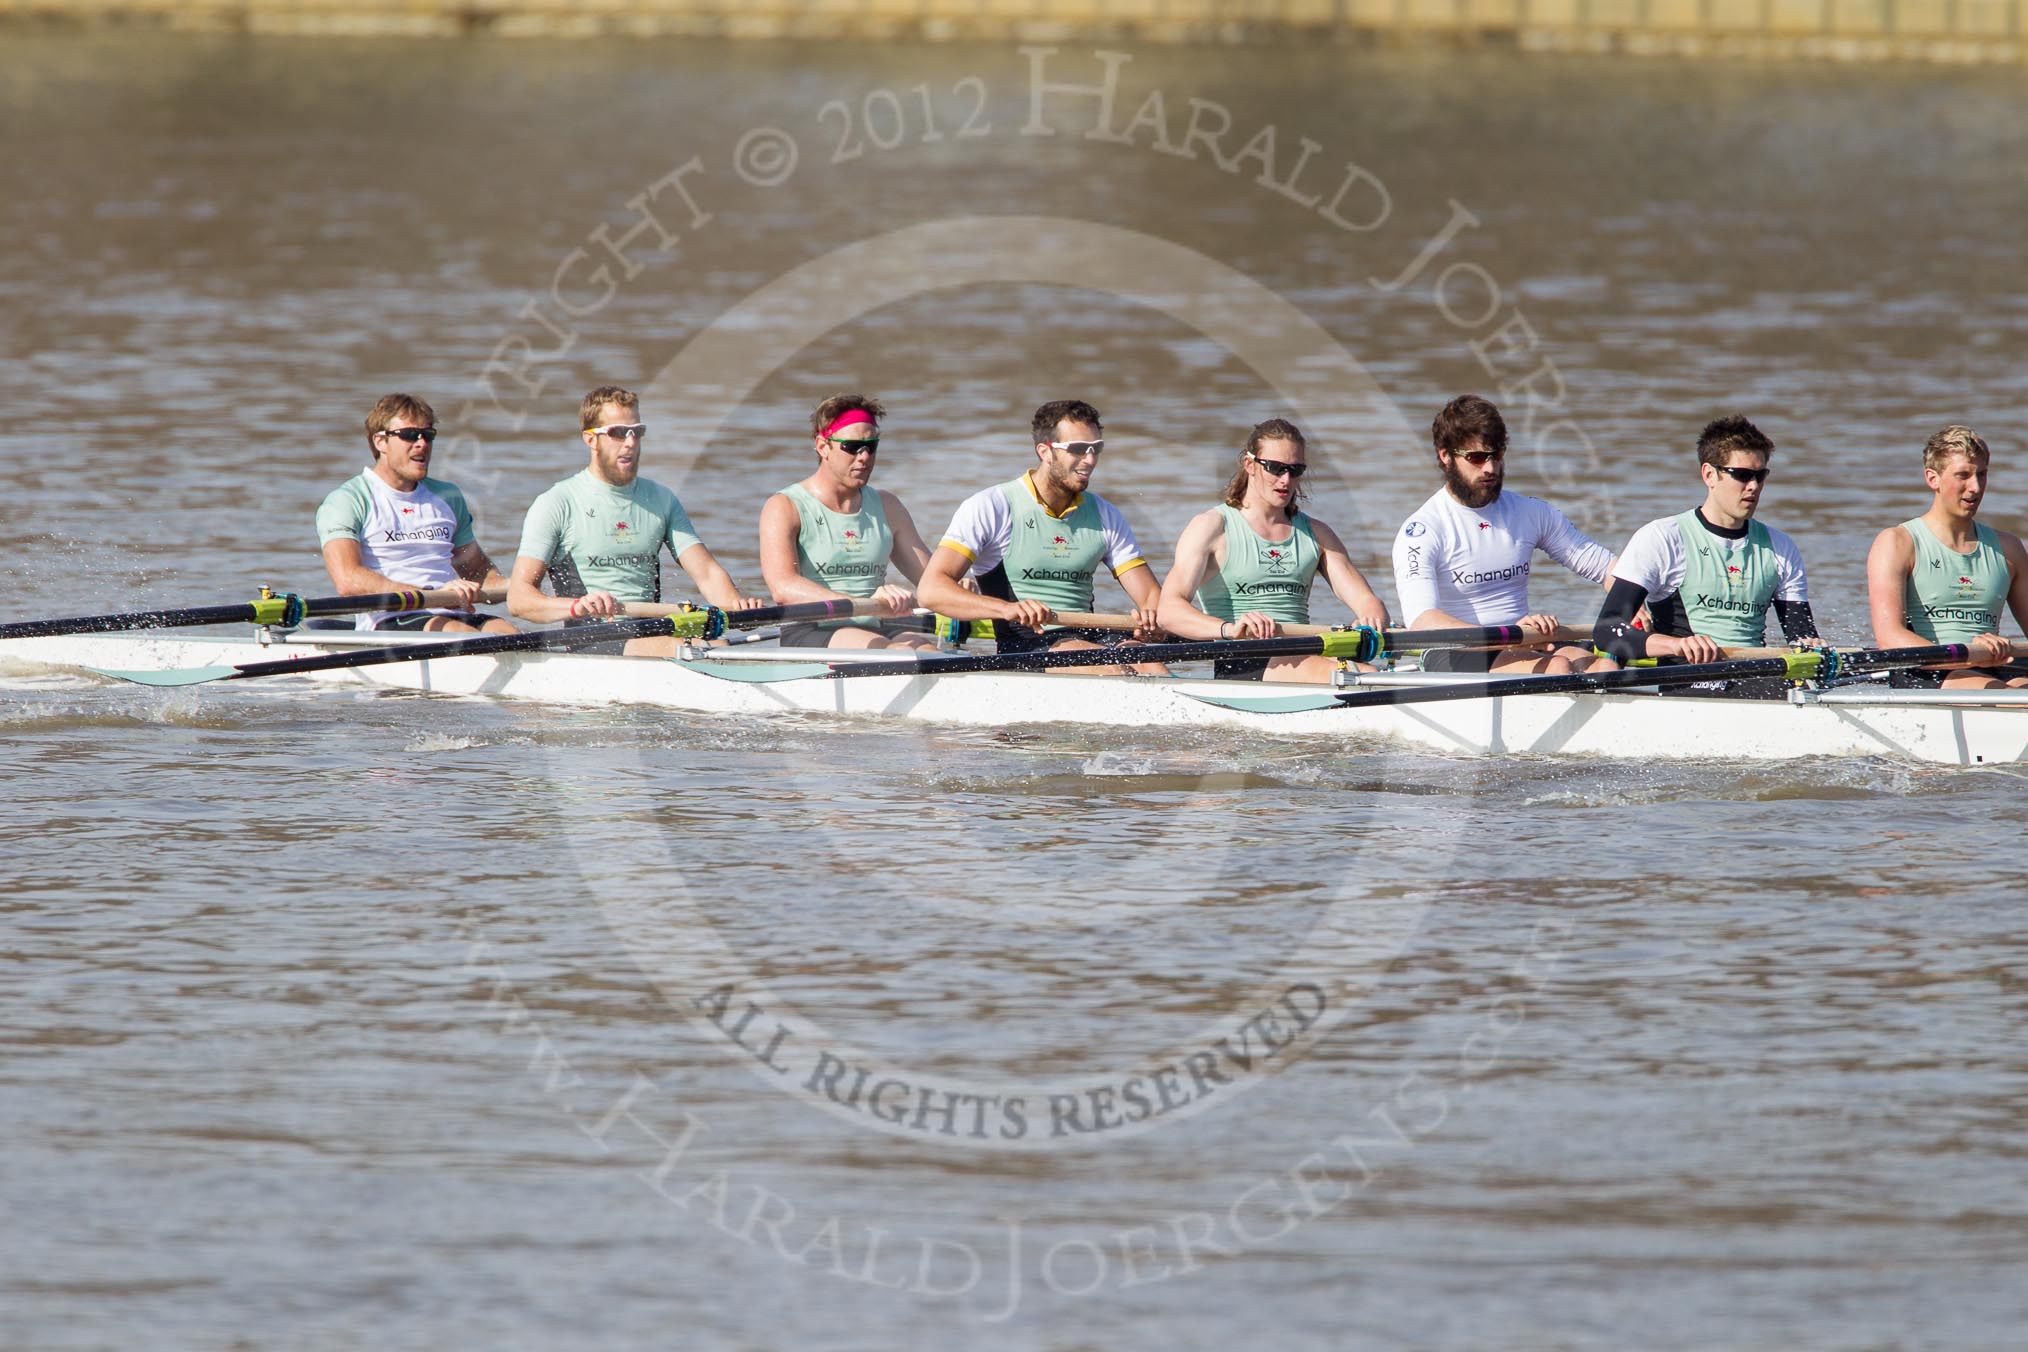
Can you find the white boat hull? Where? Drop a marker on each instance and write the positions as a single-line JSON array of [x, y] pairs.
[[1950, 729]]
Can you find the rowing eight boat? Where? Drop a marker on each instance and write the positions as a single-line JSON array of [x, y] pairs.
[[1951, 727]]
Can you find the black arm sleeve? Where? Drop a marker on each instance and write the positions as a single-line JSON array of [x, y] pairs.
[[1615, 633], [1797, 621]]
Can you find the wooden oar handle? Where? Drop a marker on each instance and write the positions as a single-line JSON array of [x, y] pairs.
[[450, 600]]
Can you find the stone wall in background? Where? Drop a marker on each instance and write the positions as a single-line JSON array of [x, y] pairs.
[[1850, 30]]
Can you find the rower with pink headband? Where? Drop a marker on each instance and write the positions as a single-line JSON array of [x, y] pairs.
[[833, 535]]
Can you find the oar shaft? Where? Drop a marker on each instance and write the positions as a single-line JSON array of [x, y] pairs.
[[799, 612], [578, 636], [1398, 640], [267, 610]]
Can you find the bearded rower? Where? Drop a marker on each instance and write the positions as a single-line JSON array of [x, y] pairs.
[[599, 534], [833, 535], [1251, 561], [1709, 575], [1035, 543], [392, 527], [1943, 577], [1464, 557]]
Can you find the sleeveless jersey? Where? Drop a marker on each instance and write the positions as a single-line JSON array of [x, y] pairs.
[[845, 551], [1272, 577], [596, 536], [405, 537], [1951, 597], [1726, 593]]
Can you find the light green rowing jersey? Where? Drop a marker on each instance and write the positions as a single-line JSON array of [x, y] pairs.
[[845, 551], [1951, 597], [1726, 593], [1270, 576], [1051, 559], [595, 536]]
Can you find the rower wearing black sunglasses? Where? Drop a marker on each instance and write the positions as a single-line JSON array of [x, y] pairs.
[[834, 535], [1251, 560], [1035, 543], [1709, 575], [393, 527], [599, 535], [1463, 558]]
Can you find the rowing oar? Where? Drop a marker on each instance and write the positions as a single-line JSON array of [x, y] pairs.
[[1357, 645], [705, 623], [1398, 640], [1805, 664], [285, 611]]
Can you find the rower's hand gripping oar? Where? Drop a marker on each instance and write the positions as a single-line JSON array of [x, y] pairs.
[[1804, 664], [284, 611], [703, 623]]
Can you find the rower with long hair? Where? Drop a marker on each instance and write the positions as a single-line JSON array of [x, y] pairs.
[[1250, 561], [1943, 576]]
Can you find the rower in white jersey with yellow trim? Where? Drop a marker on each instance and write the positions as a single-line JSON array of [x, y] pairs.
[[1944, 576], [834, 535], [1463, 558], [392, 527], [598, 536], [1035, 543], [1251, 561], [1710, 575]]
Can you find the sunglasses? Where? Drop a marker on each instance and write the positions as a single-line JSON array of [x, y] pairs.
[[1476, 458], [621, 431], [853, 446], [412, 434], [1078, 450], [1275, 469], [1745, 476]]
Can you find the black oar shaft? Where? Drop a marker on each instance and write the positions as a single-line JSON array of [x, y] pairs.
[[563, 640], [275, 610]]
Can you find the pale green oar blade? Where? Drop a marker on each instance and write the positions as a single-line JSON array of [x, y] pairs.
[[759, 673], [1266, 704], [186, 676]]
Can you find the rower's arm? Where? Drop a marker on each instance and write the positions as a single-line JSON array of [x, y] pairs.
[[527, 601], [471, 562], [1348, 584], [1176, 611], [350, 575], [2017, 564], [779, 524], [910, 555], [1888, 565], [713, 583], [941, 589], [1614, 631], [1797, 620]]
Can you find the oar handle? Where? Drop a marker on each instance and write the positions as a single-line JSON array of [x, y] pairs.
[[283, 609]]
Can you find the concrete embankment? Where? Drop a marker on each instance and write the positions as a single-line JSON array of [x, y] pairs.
[[1989, 31]]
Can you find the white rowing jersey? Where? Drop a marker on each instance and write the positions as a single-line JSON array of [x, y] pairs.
[[1658, 559], [1473, 562], [405, 537]]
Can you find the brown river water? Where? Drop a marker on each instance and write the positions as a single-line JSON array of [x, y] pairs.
[[338, 1019]]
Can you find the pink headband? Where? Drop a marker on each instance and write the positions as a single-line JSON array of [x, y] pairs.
[[848, 418]]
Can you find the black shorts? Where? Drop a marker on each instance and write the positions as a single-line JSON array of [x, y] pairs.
[[1012, 638], [819, 635], [412, 620], [1475, 660]]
